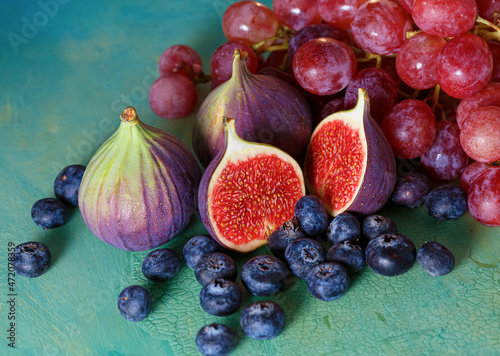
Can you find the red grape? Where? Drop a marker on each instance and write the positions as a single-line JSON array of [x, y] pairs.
[[471, 172], [324, 66], [277, 59], [173, 96], [339, 13], [407, 5], [387, 63], [250, 22], [464, 66], [416, 60], [446, 158], [495, 51], [297, 14], [221, 64], [381, 88], [444, 18], [488, 96], [484, 198], [182, 60], [480, 134], [486, 8], [410, 128], [380, 27]]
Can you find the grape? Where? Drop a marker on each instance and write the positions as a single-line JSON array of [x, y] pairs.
[[221, 63], [339, 13], [182, 60], [489, 95], [278, 59], [486, 8], [297, 14], [480, 134], [495, 51], [446, 158], [410, 128], [387, 63], [173, 96], [484, 198], [471, 172], [407, 5], [250, 22], [382, 91], [311, 32], [278, 73], [329, 108], [416, 60], [464, 66], [444, 18], [380, 27], [324, 66]]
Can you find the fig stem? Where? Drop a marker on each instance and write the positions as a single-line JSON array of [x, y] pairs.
[[129, 116]]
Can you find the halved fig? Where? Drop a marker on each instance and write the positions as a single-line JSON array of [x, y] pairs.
[[248, 191], [349, 163]]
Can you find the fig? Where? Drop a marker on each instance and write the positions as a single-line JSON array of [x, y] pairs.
[[140, 188], [248, 191], [349, 163], [268, 109]]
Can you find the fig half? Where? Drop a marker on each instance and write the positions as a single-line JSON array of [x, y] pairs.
[[349, 164], [248, 191]]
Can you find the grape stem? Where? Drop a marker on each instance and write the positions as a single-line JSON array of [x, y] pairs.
[[369, 56], [410, 34], [486, 33], [415, 94], [487, 23], [282, 34], [435, 102]]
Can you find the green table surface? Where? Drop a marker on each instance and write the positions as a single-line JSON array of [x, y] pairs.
[[68, 68]]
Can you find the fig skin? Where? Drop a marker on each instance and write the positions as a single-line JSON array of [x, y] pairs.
[[140, 188], [267, 109]]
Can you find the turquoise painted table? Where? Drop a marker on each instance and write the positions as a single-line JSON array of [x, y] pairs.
[[68, 70]]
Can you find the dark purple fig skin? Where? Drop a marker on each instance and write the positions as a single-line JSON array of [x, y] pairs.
[[267, 110]]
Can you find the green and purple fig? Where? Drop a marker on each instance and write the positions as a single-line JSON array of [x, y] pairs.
[[140, 188]]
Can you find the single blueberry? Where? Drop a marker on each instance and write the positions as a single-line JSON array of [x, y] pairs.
[[328, 281], [280, 238], [67, 184], [344, 227], [161, 265], [215, 265], [302, 255], [264, 275], [351, 256], [49, 213], [411, 190], [221, 297], [197, 247], [447, 202], [262, 320], [215, 340], [390, 254], [134, 303], [376, 225], [435, 259], [311, 215], [31, 259]]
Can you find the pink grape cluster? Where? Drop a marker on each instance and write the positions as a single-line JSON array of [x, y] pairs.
[[417, 59]]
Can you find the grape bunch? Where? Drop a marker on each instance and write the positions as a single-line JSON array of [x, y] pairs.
[[431, 69]]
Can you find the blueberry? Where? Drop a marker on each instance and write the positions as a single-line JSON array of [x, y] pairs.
[[302, 255], [351, 256], [67, 184], [49, 213], [31, 259], [197, 247], [411, 190], [215, 340], [161, 265], [344, 227], [262, 320], [264, 275], [221, 297], [134, 303], [215, 265], [328, 281], [311, 216], [447, 202], [280, 238], [376, 225], [390, 254], [435, 259]]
